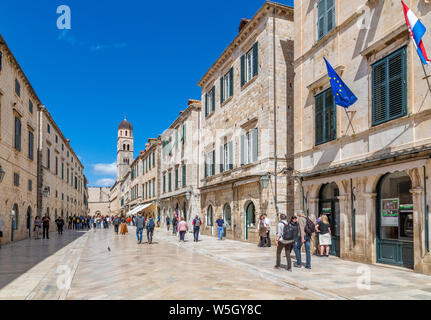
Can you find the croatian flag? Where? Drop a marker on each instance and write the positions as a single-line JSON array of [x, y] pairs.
[[417, 31]]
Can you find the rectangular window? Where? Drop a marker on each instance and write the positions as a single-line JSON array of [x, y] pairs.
[[250, 64], [30, 106], [154, 159], [326, 17], [170, 181], [184, 176], [176, 179], [30, 145], [67, 175], [56, 139], [326, 117], [249, 147], [49, 128], [210, 164], [62, 171], [48, 158], [30, 185], [16, 179], [226, 157], [17, 134], [210, 101], [154, 187], [56, 165], [390, 88], [226, 86], [164, 183], [17, 88]]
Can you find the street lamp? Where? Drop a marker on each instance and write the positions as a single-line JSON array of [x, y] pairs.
[[2, 173], [264, 181]]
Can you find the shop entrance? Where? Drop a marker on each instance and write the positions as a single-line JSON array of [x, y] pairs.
[[329, 205], [395, 244]]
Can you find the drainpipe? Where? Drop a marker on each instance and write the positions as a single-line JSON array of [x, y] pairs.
[[275, 116], [426, 210], [352, 198]]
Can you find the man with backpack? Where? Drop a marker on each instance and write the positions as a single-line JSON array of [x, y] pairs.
[[168, 222], [287, 232], [150, 229], [306, 229], [196, 228], [116, 224]]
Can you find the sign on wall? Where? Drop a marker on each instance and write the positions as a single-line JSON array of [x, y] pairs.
[[390, 212]]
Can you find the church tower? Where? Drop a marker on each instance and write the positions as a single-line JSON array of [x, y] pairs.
[[124, 148]]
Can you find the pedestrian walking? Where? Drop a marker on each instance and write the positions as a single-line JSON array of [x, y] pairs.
[[183, 228], [60, 224], [174, 224], [158, 221], [287, 232], [268, 230], [140, 225], [45, 225], [150, 229], [306, 229], [123, 229], [1, 230], [220, 227], [323, 229], [36, 227], [129, 220], [262, 231], [116, 222], [196, 228], [168, 223]]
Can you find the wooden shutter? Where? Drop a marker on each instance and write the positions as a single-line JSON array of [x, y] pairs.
[[17, 134], [396, 85], [184, 175], [255, 143], [321, 9], [206, 166], [213, 99], [184, 133], [255, 59], [213, 163], [379, 93], [230, 148], [206, 104], [319, 119], [330, 15], [242, 150], [231, 82], [242, 70], [331, 116], [221, 90], [221, 158]]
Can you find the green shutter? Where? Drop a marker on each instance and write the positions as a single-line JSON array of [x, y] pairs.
[[213, 163], [206, 104], [231, 82], [255, 59], [206, 166], [319, 120], [184, 175], [184, 133], [221, 159], [221, 90], [213, 98], [242, 70], [242, 149], [255, 141], [321, 8], [330, 15]]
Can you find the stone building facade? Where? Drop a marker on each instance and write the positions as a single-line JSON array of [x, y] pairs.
[[368, 168], [246, 141], [98, 201], [179, 171], [61, 180], [144, 180], [18, 148]]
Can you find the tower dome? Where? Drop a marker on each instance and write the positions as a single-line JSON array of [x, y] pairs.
[[125, 125]]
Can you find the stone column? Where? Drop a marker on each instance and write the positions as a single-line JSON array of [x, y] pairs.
[[314, 213], [369, 202], [418, 228], [344, 226]]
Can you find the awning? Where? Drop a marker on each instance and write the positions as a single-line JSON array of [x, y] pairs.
[[138, 209]]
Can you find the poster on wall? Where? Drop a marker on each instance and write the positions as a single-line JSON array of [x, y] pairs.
[[390, 212]]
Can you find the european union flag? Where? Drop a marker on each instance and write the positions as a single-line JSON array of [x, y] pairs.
[[343, 96]]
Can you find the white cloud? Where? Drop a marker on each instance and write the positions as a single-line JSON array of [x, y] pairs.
[[105, 168], [105, 182]]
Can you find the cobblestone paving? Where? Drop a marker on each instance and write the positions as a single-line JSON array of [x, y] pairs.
[[210, 270]]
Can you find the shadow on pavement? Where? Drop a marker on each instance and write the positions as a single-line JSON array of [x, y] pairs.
[[19, 257]]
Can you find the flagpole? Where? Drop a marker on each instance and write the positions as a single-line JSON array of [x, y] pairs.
[[350, 121]]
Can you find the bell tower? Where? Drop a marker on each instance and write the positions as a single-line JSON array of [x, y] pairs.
[[124, 148]]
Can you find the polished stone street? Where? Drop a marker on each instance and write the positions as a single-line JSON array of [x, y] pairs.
[[169, 270]]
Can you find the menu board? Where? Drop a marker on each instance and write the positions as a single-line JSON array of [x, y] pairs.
[[390, 212]]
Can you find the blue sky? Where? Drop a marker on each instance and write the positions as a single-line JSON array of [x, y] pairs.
[[132, 57]]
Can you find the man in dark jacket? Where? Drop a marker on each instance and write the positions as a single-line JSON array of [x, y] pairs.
[[196, 228], [45, 224], [283, 243], [116, 224], [140, 225]]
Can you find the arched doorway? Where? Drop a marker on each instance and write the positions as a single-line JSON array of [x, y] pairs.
[[29, 221], [14, 219], [394, 220], [329, 205], [210, 218], [227, 215], [250, 218]]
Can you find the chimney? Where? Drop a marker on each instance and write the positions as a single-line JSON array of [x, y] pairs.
[[243, 24]]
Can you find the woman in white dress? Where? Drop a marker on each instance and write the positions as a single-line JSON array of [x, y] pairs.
[[323, 229]]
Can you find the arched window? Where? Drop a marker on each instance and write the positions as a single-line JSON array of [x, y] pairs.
[[251, 215], [15, 217], [210, 222], [128, 147], [227, 215], [126, 133], [124, 147]]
